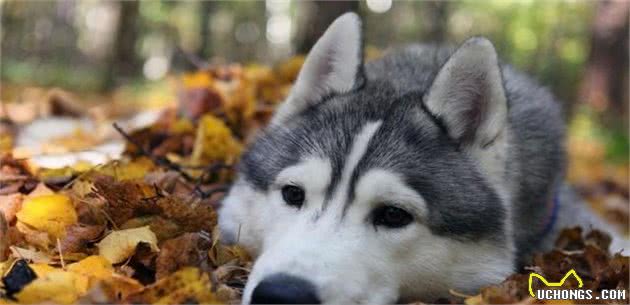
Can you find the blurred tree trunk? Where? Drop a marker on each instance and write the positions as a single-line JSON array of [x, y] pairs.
[[205, 11], [604, 85], [123, 61], [321, 15], [436, 13]]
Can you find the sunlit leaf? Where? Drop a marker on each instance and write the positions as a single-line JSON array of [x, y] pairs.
[[119, 245]]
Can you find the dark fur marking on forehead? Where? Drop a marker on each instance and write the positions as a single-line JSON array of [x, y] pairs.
[[326, 130], [402, 107], [460, 202]]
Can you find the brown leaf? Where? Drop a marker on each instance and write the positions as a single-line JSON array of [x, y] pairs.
[[15, 176], [186, 250], [33, 237], [123, 200], [188, 285], [512, 290], [599, 239], [78, 236], [10, 205], [163, 228], [171, 182], [570, 239], [128, 199]]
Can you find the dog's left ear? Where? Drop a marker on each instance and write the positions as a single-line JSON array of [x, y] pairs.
[[468, 96], [334, 65]]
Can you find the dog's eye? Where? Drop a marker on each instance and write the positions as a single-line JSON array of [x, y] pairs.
[[293, 195], [391, 217]]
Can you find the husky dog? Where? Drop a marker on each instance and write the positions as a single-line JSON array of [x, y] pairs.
[[426, 170]]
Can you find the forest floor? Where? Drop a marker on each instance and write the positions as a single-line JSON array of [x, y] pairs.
[[95, 214]]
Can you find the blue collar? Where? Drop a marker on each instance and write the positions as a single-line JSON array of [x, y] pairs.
[[553, 217]]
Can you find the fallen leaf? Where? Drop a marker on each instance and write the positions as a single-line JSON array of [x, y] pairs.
[[183, 251], [163, 228], [120, 287], [33, 237], [127, 170], [124, 200], [30, 255], [188, 285], [214, 142], [95, 266], [130, 199], [49, 213], [15, 176], [200, 79], [119, 245], [78, 236], [42, 269], [58, 286], [10, 205], [82, 187], [111, 289], [221, 254]]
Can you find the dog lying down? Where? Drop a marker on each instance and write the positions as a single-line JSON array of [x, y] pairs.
[[426, 170]]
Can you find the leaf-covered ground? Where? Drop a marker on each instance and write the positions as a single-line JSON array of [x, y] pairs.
[[142, 228]]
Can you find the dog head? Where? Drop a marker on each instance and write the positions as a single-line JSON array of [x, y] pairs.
[[360, 193]]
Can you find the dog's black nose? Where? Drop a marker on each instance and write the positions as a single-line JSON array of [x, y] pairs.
[[284, 289]]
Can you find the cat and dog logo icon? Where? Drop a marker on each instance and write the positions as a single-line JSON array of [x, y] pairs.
[[552, 284], [570, 294]]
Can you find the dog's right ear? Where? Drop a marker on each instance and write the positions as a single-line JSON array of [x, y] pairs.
[[334, 65], [468, 95]]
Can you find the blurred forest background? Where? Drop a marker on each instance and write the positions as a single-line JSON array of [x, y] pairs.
[[109, 49]]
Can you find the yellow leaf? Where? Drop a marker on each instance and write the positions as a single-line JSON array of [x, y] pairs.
[[78, 279], [94, 266], [197, 80], [214, 142], [57, 286], [188, 285], [182, 126], [474, 300], [122, 170], [220, 254], [49, 213], [119, 245], [42, 269], [121, 286], [6, 143], [4, 266], [82, 187]]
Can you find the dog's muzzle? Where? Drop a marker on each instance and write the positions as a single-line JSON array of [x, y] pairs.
[[284, 289]]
